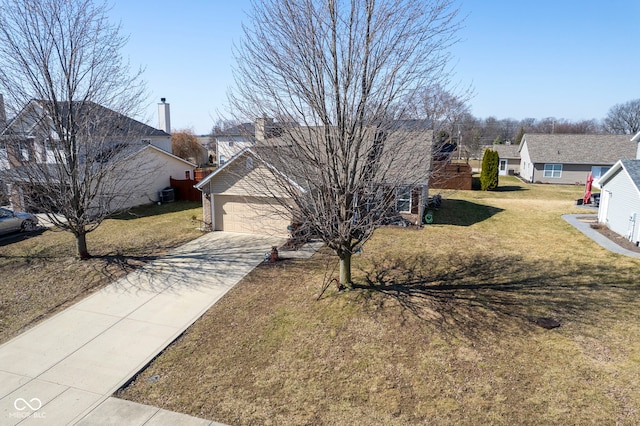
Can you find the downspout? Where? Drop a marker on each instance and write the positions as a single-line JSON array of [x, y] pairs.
[[213, 209]]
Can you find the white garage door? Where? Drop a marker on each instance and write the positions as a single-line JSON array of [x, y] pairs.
[[253, 215]]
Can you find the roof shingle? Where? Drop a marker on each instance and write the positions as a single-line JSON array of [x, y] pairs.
[[579, 149]]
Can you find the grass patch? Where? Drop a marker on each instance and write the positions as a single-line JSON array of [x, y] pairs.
[[439, 330], [40, 273]]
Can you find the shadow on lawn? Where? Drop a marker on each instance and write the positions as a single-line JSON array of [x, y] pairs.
[[155, 210], [482, 295], [510, 188], [20, 236], [463, 213]]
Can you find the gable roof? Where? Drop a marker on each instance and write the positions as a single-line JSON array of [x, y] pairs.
[[252, 151], [578, 149], [35, 111], [154, 148], [631, 167], [507, 151]]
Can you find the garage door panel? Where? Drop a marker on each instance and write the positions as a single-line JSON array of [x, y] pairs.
[[250, 215]]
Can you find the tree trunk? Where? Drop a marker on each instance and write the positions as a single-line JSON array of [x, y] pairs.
[[81, 242], [345, 271]]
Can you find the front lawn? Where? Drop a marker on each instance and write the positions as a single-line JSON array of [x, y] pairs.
[[40, 273], [441, 328]]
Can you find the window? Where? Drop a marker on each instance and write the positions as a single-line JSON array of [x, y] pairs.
[[23, 149], [403, 200], [552, 170], [223, 159], [249, 164], [598, 171]]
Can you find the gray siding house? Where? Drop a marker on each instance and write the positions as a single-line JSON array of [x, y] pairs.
[[509, 159], [568, 159], [620, 199]]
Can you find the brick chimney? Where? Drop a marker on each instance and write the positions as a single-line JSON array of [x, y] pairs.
[[164, 117], [261, 126]]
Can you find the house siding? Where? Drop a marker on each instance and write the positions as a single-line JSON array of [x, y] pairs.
[[526, 167], [572, 174], [623, 202], [148, 172], [238, 180]]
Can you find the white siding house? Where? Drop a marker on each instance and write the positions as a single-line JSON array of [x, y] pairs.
[[620, 199], [148, 172]]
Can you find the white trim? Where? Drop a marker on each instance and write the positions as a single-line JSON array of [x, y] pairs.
[[162, 151], [552, 170], [200, 184]]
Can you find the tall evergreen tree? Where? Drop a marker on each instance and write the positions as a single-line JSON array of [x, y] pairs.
[[490, 170]]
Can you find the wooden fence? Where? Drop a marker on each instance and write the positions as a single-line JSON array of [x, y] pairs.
[[451, 176], [185, 187]]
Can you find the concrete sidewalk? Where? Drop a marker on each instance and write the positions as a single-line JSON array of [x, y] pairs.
[[64, 370], [584, 226]]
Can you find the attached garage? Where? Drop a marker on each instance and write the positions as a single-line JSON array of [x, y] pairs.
[[253, 215], [242, 197]]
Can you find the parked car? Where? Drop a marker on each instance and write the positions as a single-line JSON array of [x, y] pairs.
[[11, 221]]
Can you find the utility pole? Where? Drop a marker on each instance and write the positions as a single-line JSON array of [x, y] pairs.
[[459, 142]]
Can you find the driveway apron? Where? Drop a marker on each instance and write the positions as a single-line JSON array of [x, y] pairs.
[[66, 366]]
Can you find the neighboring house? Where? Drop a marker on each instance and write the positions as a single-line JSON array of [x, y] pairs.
[[619, 206], [225, 144], [509, 159], [232, 199], [149, 169], [142, 155], [234, 196], [568, 159]]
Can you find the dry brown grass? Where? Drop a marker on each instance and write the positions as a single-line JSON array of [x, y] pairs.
[[40, 274], [439, 330]]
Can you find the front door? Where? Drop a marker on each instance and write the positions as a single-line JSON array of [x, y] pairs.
[[503, 168]]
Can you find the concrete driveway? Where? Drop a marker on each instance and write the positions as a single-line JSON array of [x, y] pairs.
[[59, 371]]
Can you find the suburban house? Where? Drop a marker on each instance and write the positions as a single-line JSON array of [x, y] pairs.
[[136, 151], [568, 159], [234, 197], [619, 206], [226, 143], [509, 159]]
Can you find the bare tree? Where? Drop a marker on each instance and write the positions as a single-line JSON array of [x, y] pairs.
[[70, 92], [623, 118], [335, 74], [184, 144], [443, 110]]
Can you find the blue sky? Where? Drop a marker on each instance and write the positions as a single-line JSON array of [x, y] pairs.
[[563, 58]]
